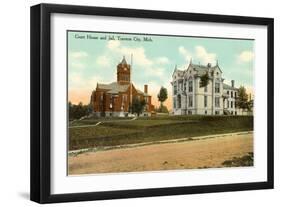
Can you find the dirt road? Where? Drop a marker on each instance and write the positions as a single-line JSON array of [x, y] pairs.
[[183, 155]]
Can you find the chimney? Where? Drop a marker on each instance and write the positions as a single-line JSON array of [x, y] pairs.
[[232, 83], [145, 88]]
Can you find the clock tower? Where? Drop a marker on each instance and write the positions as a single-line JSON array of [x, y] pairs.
[[123, 72]]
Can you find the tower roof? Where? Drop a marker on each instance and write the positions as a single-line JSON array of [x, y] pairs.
[[124, 62]]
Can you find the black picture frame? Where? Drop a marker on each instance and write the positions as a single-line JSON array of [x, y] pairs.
[[41, 98]]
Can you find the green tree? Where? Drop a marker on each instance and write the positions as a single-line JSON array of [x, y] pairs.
[[138, 106], [78, 111], [162, 109], [162, 95], [242, 98], [204, 80], [250, 105]]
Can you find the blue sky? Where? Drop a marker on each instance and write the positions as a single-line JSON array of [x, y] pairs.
[[92, 59]]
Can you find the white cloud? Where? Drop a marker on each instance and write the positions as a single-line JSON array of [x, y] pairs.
[[77, 65], [77, 81], [139, 56], [199, 54], [185, 53], [103, 61], [245, 56], [162, 60], [153, 66], [204, 56], [113, 44], [75, 59], [78, 54]]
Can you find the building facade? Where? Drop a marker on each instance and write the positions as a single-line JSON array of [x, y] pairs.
[[217, 98], [115, 99]]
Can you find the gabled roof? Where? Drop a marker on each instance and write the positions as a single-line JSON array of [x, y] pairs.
[[139, 91], [179, 72], [114, 87]]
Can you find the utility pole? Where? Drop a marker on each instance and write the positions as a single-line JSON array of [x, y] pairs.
[[131, 88]]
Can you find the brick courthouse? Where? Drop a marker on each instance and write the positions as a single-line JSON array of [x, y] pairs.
[[114, 99]]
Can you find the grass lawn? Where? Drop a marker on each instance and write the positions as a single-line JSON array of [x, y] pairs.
[[112, 132]]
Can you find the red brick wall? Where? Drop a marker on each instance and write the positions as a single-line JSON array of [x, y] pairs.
[[103, 104]]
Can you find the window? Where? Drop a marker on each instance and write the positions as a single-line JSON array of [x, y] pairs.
[[179, 101], [217, 112], [175, 104], [206, 89], [231, 94], [235, 94], [180, 86], [227, 92], [231, 104], [190, 112], [217, 101], [184, 86], [101, 102], [217, 87], [206, 112], [111, 102], [146, 99], [205, 101], [125, 98], [190, 101], [235, 112], [175, 88], [145, 108], [190, 86]]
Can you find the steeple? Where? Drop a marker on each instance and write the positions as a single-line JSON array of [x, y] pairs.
[[124, 62], [123, 72]]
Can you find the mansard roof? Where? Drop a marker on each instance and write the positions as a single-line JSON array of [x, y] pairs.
[[202, 69], [228, 87]]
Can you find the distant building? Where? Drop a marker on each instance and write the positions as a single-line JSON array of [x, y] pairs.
[[217, 98], [115, 99]]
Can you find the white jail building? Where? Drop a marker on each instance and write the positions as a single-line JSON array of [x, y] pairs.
[[217, 98]]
